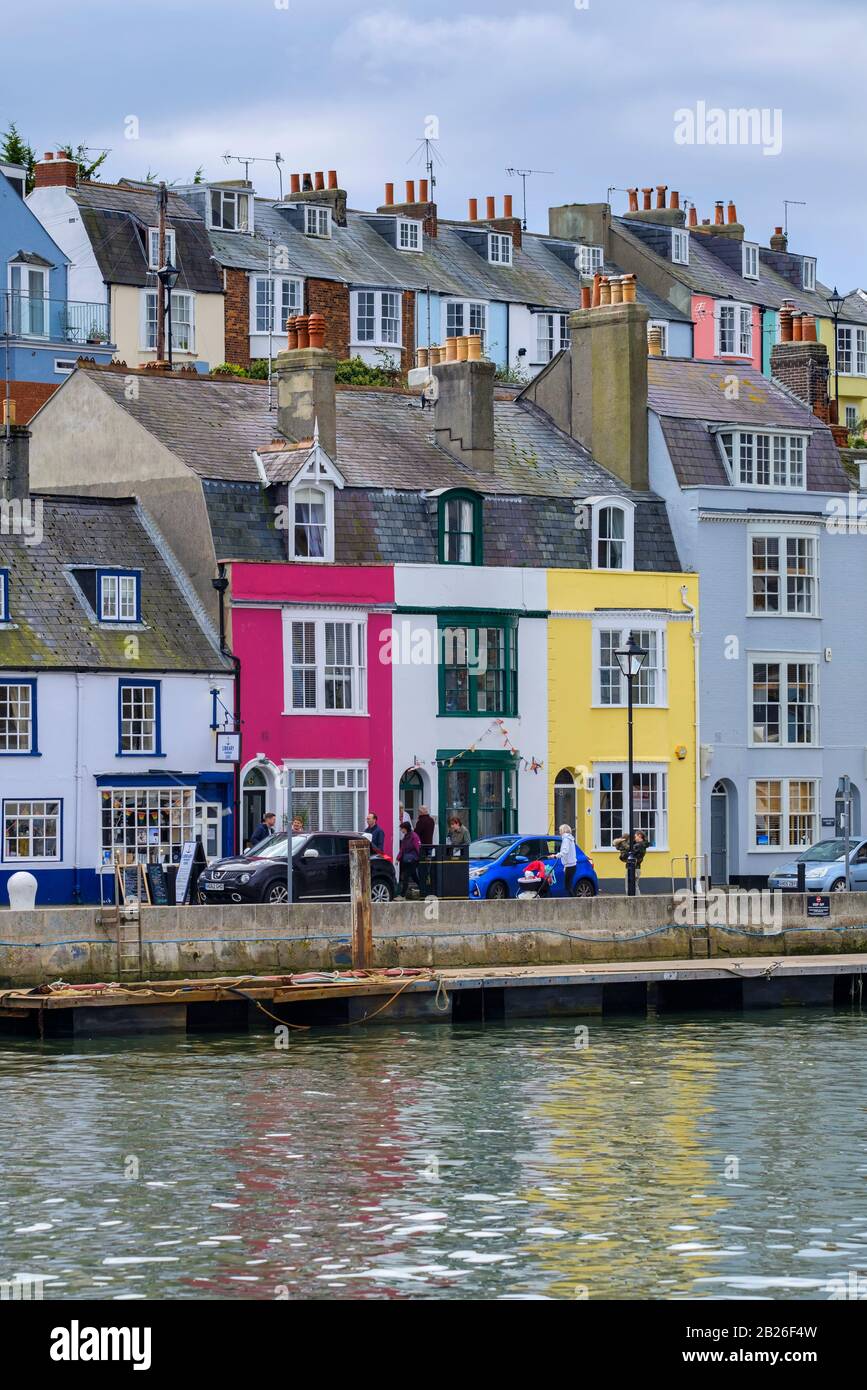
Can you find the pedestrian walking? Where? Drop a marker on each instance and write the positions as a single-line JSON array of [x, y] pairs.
[[264, 830], [568, 858], [374, 832], [639, 849], [407, 858], [425, 827]]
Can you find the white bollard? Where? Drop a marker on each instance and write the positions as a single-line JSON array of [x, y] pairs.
[[22, 891]]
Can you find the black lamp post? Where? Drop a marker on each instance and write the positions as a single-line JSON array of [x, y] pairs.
[[835, 302], [168, 278], [630, 659]]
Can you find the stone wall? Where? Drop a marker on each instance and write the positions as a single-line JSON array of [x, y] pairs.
[[184, 942]]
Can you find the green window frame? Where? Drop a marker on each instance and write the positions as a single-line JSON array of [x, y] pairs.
[[477, 664], [481, 788], [460, 527]]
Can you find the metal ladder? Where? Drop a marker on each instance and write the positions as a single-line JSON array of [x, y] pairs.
[[129, 961]]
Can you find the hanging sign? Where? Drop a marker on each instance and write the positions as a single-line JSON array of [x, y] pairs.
[[228, 748]]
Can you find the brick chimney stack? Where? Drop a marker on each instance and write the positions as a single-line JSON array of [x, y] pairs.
[[14, 459], [55, 171], [421, 209], [803, 367], [305, 384]]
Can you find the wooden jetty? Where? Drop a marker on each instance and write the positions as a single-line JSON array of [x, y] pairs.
[[468, 995]]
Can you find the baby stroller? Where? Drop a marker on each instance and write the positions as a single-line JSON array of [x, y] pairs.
[[536, 880]]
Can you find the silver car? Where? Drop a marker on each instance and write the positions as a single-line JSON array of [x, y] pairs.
[[826, 868]]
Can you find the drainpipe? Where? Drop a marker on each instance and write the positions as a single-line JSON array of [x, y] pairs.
[[221, 584], [696, 636], [76, 886]]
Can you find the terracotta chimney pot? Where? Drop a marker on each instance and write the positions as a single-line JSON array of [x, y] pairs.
[[654, 342], [808, 330], [597, 290], [797, 328], [633, 199], [332, 178], [474, 348], [586, 296], [718, 218], [461, 349], [661, 190], [646, 192], [292, 333], [302, 326], [732, 212], [435, 355], [507, 205], [692, 217], [422, 191], [785, 324], [306, 183], [629, 288], [421, 357], [605, 290], [49, 154], [389, 195], [491, 205], [451, 349], [616, 291], [316, 330], [674, 201], [319, 180], [295, 183], [474, 209], [410, 190]]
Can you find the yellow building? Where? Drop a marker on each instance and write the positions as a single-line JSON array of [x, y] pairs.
[[591, 613], [852, 339]]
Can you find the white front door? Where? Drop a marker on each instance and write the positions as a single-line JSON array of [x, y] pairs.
[[209, 825]]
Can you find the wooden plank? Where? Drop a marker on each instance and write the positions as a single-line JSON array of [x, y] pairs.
[[359, 896]]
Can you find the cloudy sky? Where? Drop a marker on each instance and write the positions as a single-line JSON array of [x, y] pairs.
[[587, 89]]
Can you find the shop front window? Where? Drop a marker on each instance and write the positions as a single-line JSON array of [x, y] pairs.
[[482, 792], [146, 825]]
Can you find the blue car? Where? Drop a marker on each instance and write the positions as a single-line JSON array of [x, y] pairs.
[[497, 862]]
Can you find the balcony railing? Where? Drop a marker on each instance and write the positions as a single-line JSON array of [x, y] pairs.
[[53, 320]]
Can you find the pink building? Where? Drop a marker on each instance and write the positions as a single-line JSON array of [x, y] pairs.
[[315, 695], [727, 330]]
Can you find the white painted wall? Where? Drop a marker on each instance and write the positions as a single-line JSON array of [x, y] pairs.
[[417, 727], [61, 218]]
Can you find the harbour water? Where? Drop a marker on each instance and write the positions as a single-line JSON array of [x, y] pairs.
[[707, 1157]]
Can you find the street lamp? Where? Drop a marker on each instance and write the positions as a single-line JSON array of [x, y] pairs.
[[835, 302], [630, 659], [844, 794], [168, 278]]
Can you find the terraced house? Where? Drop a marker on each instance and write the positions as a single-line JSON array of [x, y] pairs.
[[110, 233], [401, 277], [391, 599]]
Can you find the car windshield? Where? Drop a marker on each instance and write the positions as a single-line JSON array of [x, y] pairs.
[[826, 850], [490, 849], [275, 848]]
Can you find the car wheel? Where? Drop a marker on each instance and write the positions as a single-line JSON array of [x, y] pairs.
[[498, 890], [584, 888], [381, 891], [276, 893], [839, 885]]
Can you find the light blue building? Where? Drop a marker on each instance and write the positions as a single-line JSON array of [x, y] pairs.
[[42, 332]]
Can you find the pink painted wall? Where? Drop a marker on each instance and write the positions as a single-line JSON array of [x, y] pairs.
[[257, 639], [705, 332]]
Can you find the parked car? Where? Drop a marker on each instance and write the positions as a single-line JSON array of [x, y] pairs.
[[497, 862], [825, 867], [320, 871]]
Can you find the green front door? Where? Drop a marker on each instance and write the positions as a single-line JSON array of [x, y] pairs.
[[480, 788]]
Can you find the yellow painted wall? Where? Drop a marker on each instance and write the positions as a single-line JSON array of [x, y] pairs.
[[581, 736], [853, 389], [126, 326]]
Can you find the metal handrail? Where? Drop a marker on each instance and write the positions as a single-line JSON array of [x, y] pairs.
[[40, 318]]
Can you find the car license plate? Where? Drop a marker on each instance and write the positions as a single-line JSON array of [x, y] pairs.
[[214, 887], [787, 883]]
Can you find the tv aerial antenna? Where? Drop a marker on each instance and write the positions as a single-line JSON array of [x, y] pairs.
[[248, 159], [523, 175], [790, 203], [426, 150]]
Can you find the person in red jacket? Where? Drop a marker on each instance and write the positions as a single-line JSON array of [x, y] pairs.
[[407, 858]]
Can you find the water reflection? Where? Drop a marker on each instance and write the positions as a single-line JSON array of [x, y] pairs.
[[687, 1157]]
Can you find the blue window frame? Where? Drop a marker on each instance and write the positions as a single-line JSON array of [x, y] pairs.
[[139, 724], [18, 724], [4, 596], [118, 596], [32, 830]]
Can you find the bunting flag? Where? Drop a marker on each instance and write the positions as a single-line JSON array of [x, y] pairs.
[[531, 764]]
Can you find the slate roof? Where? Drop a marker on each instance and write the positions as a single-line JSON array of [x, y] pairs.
[[390, 463], [689, 394], [50, 625], [116, 218]]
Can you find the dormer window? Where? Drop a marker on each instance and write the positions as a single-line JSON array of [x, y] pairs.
[[499, 248], [589, 259], [4, 596], [118, 596], [612, 532], [679, 246], [310, 509], [460, 528], [756, 459], [231, 210], [808, 272], [750, 261], [154, 262], [408, 234], [317, 221]]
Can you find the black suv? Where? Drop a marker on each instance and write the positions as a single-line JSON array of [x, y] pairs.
[[320, 871]]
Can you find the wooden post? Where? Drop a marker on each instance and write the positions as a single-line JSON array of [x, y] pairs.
[[359, 893]]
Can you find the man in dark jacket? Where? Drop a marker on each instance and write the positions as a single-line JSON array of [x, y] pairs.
[[264, 830], [374, 832], [424, 829]]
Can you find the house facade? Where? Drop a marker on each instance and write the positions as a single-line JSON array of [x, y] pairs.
[[112, 685], [110, 234], [43, 330]]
